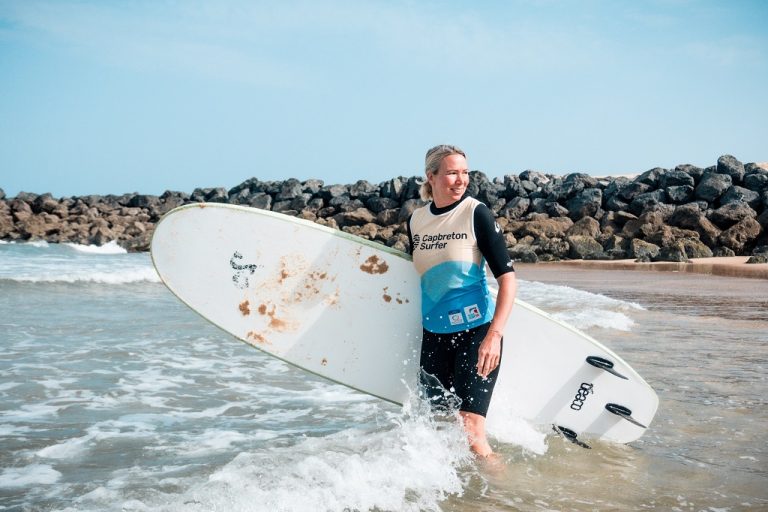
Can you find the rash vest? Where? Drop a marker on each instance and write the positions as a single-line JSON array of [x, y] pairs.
[[454, 290]]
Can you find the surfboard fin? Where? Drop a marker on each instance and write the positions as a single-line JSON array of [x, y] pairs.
[[570, 435], [620, 410], [604, 364]]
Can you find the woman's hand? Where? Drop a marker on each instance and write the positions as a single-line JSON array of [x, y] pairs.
[[489, 353]]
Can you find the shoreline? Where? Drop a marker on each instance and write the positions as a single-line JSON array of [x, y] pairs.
[[731, 266]]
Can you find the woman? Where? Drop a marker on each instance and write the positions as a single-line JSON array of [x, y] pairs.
[[451, 239]]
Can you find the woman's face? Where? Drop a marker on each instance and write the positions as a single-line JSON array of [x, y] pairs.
[[450, 181]]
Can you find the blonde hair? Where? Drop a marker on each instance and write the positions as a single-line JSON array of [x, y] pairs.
[[432, 163]]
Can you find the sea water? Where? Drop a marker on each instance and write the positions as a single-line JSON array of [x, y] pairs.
[[114, 396]]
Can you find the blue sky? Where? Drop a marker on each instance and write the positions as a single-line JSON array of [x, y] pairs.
[[144, 96]]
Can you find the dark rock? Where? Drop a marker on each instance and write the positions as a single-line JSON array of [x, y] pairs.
[[528, 187], [555, 209], [728, 215], [291, 189], [651, 177], [283, 207], [757, 181], [586, 226], [643, 226], [694, 172], [586, 203], [345, 204], [571, 185], [198, 195], [729, 165], [392, 189], [516, 208], [762, 219], [239, 197], [646, 201], [676, 178], [2, 194], [738, 236], [675, 252], [712, 186], [758, 258], [539, 179], [545, 228], [633, 189], [513, 187], [411, 189], [737, 194], [554, 248], [379, 204], [312, 186], [584, 247], [388, 217], [695, 248], [363, 190], [217, 195], [44, 203], [409, 206], [523, 254], [27, 197], [667, 236], [329, 192], [148, 202], [615, 204], [642, 250], [358, 217], [679, 194], [260, 200], [723, 252]]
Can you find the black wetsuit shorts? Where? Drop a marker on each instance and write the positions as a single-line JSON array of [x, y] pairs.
[[449, 363]]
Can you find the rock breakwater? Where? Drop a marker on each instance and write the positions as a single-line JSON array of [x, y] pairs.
[[659, 215]]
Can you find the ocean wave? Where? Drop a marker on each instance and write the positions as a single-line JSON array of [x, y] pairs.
[[582, 309], [109, 248], [126, 276]]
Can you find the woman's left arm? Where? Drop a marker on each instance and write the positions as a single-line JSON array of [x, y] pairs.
[[489, 355]]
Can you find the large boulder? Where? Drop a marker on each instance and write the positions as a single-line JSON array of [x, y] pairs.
[[740, 194], [584, 247], [731, 166], [712, 186], [644, 202], [739, 236], [731, 213], [516, 208], [679, 194], [586, 203], [675, 178], [643, 251]]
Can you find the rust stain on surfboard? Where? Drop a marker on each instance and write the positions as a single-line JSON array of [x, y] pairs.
[[245, 308], [258, 338], [275, 323], [374, 265]]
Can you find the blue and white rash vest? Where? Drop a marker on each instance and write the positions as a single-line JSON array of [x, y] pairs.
[[454, 289]]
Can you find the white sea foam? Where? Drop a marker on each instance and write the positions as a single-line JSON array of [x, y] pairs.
[[124, 276], [34, 474], [507, 426], [411, 466], [108, 248], [582, 309]]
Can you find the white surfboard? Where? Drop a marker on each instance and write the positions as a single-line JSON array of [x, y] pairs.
[[348, 309]]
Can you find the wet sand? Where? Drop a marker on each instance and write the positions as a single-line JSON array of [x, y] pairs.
[[735, 266]]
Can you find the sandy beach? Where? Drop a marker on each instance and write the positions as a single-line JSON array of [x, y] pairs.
[[735, 266]]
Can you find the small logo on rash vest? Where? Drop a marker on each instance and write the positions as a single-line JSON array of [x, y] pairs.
[[455, 317], [472, 312]]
